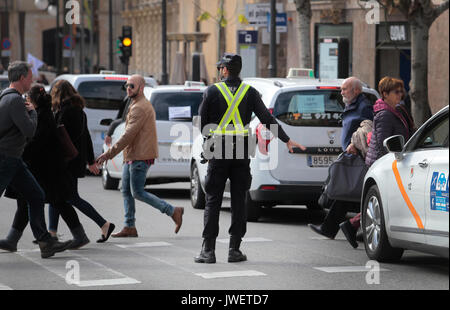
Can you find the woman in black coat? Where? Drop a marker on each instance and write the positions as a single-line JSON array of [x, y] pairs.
[[68, 106], [44, 158]]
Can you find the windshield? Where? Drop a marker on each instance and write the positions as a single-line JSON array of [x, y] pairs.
[[311, 108], [104, 95], [179, 106]]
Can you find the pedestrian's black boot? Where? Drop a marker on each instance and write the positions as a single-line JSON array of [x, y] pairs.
[[350, 233], [49, 247], [207, 255], [10, 243], [234, 254], [79, 238]]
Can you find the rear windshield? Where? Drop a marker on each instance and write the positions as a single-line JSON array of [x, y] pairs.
[[103, 95], [4, 84], [179, 106], [312, 108]]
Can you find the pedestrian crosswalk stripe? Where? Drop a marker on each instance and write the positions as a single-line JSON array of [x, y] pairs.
[[143, 245], [256, 239], [5, 288], [230, 274], [341, 269]]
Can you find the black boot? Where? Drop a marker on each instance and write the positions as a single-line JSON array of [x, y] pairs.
[[207, 255], [234, 254], [79, 238], [49, 247], [10, 243], [350, 233]]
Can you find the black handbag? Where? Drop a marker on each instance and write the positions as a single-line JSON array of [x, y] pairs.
[[69, 151], [345, 180]]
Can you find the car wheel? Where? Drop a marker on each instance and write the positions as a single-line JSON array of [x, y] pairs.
[[108, 182], [198, 199], [253, 209], [375, 236]]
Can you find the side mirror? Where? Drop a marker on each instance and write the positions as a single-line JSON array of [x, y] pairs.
[[395, 144], [106, 122]]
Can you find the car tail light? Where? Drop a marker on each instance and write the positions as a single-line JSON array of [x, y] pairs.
[[268, 188], [264, 138], [329, 87], [271, 111]]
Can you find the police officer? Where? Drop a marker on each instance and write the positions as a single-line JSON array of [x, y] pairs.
[[228, 107]]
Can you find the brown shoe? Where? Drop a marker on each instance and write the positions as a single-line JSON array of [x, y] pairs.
[[177, 217], [126, 232]]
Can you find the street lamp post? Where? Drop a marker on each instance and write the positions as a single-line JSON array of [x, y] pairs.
[[273, 39], [52, 7], [164, 75]]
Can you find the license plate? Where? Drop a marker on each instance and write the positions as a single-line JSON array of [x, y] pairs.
[[320, 160]]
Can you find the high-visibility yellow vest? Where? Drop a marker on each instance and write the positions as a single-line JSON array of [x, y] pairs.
[[232, 114]]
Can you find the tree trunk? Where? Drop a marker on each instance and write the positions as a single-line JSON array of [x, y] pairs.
[[304, 32], [419, 71]]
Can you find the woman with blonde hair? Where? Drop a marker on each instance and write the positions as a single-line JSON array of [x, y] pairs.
[[68, 107]]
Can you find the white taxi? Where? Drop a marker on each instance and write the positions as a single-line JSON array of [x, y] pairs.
[[405, 196], [309, 111], [175, 107]]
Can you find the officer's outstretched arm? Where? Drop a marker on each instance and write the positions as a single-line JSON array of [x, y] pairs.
[[291, 144]]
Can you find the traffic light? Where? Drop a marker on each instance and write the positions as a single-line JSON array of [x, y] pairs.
[[126, 44]]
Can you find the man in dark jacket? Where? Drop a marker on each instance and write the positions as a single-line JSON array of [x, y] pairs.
[[357, 109], [18, 121]]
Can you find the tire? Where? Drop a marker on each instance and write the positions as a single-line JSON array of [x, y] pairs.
[[108, 182], [198, 197], [375, 236], [253, 209]]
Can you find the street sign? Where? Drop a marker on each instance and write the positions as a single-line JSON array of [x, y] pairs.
[[256, 14], [6, 44], [248, 37], [68, 42]]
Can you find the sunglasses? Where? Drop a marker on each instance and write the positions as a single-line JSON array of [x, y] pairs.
[[129, 86], [220, 68]]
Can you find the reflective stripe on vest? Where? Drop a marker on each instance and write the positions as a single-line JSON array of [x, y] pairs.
[[232, 114]]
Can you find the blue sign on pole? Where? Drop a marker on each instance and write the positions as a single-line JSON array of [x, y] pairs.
[[248, 37], [281, 22], [6, 44]]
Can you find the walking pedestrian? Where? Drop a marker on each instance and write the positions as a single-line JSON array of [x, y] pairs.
[[357, 109], [140, 149], [18, 122], [231, 95], [390, 119], [68, 106], [44, 158]]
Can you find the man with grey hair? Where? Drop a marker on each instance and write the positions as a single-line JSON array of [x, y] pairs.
[[18, 122], [357, 109]]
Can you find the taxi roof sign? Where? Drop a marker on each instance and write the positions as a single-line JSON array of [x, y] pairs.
[[300, 73], [107, 72]]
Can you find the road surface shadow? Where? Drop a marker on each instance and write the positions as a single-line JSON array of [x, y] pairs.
[[170, 193]]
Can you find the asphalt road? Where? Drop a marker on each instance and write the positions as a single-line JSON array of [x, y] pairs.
[[283, 254]]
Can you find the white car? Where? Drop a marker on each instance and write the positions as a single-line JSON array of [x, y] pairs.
[[309, 111], [104, 94], [175, 107], [405, 197]]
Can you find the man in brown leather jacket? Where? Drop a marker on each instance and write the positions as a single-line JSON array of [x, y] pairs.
[[140, 148]]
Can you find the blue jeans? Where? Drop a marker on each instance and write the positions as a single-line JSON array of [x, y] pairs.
[[133, 183], [85, 207], [14, 172]]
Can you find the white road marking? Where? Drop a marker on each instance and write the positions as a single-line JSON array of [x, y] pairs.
[[325, 238], [341, 269], [143, 245], [5, 288], [256, 239], [54, 266], [230, 274]]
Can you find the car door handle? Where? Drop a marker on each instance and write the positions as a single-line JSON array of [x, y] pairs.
[[423, 164]]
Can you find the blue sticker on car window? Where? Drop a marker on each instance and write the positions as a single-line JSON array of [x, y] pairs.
[[439, 192]]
